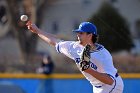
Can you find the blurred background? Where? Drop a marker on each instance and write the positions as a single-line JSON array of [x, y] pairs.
[[22, 52]]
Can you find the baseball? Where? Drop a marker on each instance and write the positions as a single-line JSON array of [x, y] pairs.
[[24, 18]]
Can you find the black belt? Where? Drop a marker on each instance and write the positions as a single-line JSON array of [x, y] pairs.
[[116, 75]]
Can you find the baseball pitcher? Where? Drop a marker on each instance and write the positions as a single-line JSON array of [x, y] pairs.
[[93, 59]]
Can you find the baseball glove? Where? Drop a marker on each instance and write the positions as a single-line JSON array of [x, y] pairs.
[[85, 58]]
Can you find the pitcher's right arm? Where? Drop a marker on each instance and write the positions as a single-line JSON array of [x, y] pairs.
[[49, 38]]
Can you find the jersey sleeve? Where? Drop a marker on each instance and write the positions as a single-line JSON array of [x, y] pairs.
[[104, 62], [64, 48], [108, 64]]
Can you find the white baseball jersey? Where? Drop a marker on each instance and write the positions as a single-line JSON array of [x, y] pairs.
[[101, 61]]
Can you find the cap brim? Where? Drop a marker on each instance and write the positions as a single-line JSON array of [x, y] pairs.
[[77, 30]]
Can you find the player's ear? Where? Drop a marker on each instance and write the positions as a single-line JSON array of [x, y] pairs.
[[90, 34]]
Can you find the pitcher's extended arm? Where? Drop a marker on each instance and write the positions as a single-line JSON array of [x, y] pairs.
[[49, 38]]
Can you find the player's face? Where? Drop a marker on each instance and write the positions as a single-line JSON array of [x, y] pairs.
[[83, 37]]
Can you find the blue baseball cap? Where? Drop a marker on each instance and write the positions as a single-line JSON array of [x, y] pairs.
[[87, 27]]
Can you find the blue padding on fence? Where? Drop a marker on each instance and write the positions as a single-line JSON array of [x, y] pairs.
[[64, 85], [132, 85]]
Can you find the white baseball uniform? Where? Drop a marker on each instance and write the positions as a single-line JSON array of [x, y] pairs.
[[101, 61]]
